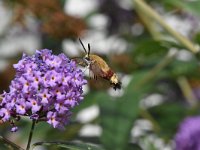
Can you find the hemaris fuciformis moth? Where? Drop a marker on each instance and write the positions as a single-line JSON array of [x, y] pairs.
[[98, 67]]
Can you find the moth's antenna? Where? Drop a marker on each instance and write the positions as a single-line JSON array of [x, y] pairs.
[[83, 45], [88, 49]]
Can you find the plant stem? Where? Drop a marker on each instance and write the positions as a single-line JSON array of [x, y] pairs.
[[30, 135], [149, 24], [146, 9], [187, 91]]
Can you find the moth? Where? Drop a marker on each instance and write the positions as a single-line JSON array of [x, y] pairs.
[[98, 67]]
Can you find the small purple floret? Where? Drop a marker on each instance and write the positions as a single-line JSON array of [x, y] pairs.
[[45, 87], [14, 129]]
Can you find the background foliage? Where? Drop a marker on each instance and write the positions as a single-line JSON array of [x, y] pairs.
[[159, 69]]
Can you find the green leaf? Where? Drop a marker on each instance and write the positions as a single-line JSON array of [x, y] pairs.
[[168, 116], [180, 68], [149, 47], [8, 145], [69, 133], [69, 145], [149, 51], [89, 100], [191, 6], [118, 115]]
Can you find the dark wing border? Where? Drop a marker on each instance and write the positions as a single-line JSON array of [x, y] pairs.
[[80, 61]]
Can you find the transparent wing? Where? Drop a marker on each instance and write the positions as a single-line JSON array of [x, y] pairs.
[[92, 75], [80, 61]]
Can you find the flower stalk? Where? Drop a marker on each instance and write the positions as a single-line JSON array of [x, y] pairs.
[[30, 135]]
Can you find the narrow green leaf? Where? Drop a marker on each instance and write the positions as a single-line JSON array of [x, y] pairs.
[[118, 115], [8, 145], [191, 6], [168, 116], [149, 51], [69, 145], [184, 68]]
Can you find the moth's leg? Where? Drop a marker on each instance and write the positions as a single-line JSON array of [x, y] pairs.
[[91, 74], [87, 68], [95, 77]]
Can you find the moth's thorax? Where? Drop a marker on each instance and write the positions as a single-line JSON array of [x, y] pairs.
[[99, 62]]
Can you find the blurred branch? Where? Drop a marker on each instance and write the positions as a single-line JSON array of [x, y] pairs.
[[149, 25], [187, 91], [146, 9]]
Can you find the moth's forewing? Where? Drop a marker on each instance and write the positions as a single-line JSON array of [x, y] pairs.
[[80, 61], [91, 74], [96, 69], [98, 83]]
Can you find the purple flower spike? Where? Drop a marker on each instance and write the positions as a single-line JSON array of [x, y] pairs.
[[187, 137], [45, 87]]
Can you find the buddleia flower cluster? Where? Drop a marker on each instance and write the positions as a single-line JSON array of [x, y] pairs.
[[45, 88]]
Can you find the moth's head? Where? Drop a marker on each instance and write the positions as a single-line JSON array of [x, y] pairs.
[[87, 59]]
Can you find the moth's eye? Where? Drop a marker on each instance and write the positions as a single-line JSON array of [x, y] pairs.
[[87, 58]]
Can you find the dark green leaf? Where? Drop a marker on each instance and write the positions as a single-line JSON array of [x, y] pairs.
[[168, 116], [149, 51], [118, 115], [191, 6], [8, 145], [180, 68], [70, 145]]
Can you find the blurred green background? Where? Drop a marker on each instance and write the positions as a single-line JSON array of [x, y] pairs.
[[152, 45]]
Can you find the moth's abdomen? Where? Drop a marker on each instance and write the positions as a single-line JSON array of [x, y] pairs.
[[113, 78], [108, 74]]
